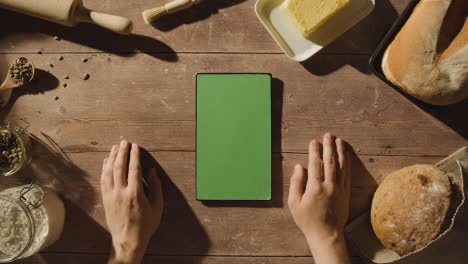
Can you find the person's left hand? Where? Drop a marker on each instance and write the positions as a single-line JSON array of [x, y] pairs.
[[132, 217]]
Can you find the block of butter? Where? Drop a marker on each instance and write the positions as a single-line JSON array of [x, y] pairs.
[[309, 15]]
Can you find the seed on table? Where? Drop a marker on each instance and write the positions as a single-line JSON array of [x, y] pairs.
[[66, 77], [84, 59], [51, 65], [56, 38], [38, 52], [56, 98], [64, 85], [60, 57], [86, 76]]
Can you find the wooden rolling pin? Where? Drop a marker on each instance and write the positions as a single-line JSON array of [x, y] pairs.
[[69, 13]]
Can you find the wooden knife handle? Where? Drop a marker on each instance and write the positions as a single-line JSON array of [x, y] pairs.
[[117, 24]]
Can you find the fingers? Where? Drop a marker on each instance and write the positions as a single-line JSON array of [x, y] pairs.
[[342, 161], [315, 163], [155, 188], [296, 187], [134, 170], [120, 165], [329, 158], [107, 180]]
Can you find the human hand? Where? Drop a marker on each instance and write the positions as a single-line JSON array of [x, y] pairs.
[[132, 217], [319, 202]]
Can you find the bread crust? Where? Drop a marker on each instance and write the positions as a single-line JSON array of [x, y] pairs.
[[410, 207], [415, 62]]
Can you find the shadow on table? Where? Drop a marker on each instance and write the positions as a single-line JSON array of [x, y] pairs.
[[42, 82], [188, 16], [363, 186], [51, 167], [81, 233], [180, 230], [365, 36], [88, 35], [277, 88], [455, 116]]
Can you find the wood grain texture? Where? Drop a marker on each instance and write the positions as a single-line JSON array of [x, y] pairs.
[[142, 88], [190, 227], [212, 26], [153, 103], [45, 258]]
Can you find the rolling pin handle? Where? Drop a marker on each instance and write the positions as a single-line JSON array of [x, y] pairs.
[[117, 24]]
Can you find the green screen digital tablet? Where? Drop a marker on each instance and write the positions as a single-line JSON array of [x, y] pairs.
[[233, 137]]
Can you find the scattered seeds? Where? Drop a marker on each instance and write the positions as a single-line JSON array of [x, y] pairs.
[[60, 57], [64, 85], [38, 52], [20, 71], [51, 65], [56, 38], [84, 59], [86, 76], [56, 98], [66, 77]]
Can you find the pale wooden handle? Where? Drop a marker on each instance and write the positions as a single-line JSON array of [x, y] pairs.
[[178, 5], [117, 24]]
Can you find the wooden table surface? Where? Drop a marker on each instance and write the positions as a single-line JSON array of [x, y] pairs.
[[142, 88]]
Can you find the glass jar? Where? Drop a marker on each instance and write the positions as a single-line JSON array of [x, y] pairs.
[[15, 146], [31, 219]]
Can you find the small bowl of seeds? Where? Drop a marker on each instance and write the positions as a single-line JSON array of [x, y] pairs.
[[21, 71], [15, 149]]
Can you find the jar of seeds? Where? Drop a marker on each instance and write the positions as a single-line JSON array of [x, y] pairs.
[[15, 149]]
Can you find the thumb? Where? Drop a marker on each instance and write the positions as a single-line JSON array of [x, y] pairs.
[[296, 187]]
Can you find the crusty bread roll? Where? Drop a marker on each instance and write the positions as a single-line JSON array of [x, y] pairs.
[[410, 207], [428, 58]]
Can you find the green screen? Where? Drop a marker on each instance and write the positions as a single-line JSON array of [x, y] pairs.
[[233, 137]]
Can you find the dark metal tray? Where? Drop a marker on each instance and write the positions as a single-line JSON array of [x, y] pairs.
[[375, 62]]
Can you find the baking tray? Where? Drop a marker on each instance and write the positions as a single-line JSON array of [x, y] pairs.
[[290, 40], [375, 61]]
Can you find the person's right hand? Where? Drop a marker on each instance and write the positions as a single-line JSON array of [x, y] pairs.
[[132, 217], [319, 202]]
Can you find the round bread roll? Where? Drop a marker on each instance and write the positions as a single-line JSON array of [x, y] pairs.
[[410, 206], [428, 58]]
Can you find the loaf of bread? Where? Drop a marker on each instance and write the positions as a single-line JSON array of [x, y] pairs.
[[410, 207], [428, 58]]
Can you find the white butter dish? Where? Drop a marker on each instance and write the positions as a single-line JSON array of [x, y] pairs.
[[291, 41]]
